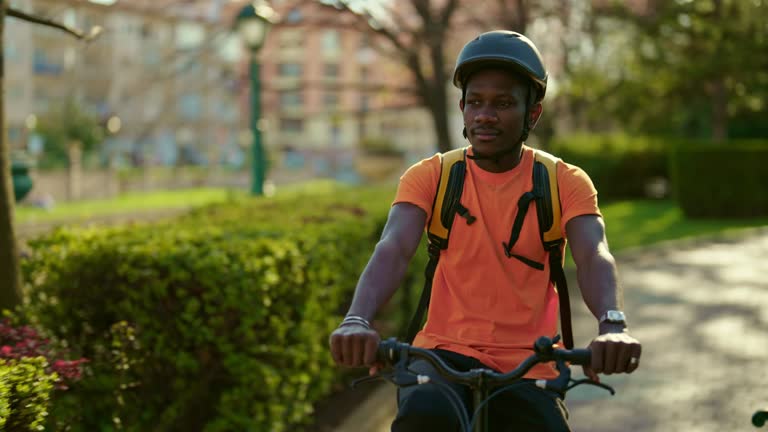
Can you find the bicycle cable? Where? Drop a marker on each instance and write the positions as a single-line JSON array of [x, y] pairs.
[[488, 399], [453, 398], [456, 404]]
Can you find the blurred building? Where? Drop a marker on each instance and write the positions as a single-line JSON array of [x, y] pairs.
[[168, 74], [327, 90], [176, 77]]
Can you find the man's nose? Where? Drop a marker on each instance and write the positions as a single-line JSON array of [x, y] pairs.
[[486, 115]]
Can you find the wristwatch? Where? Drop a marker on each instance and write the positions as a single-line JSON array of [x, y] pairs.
[[613, 317]]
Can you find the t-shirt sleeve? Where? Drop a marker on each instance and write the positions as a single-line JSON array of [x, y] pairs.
[[578, 195], [419, 184]]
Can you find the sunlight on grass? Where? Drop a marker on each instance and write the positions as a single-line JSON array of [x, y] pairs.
[[639, 223], [128, 203]]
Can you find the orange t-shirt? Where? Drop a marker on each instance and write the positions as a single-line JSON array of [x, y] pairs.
[[485, 305]]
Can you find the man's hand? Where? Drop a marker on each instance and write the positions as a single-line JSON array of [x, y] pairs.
[[614, 351], [355, 346]]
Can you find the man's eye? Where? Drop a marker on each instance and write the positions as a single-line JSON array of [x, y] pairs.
[[504, 104]]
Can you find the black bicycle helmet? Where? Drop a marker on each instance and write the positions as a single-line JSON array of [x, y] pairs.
[[502, 48]]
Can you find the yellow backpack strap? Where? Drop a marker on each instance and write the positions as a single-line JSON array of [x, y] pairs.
[[447, 196], [545, 184], [549, 215]]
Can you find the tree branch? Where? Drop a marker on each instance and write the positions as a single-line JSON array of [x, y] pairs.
[[448, 12], [95, 31]]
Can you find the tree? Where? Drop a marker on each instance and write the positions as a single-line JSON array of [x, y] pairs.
[[678, 67], [67, 124], [417, 35], [10, 276]]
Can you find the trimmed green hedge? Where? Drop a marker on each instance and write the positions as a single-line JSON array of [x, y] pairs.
[[619, 165], [724, 181], [25, 393], [217, 321]]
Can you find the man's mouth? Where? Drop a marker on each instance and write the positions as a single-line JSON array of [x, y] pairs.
[[486, 134]]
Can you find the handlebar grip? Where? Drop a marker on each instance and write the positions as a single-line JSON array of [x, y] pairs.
[[579, 356], [388, 351]]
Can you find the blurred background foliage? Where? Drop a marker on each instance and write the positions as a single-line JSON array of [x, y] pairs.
[[693, 69]]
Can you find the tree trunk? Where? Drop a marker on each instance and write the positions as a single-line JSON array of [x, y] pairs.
[[438, 98], [10, 277], [437, 109], [75, 170]]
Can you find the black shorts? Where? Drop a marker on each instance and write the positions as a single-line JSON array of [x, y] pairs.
[[523, 408]]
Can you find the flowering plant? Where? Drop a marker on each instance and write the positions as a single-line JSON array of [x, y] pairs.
[[23, 341]]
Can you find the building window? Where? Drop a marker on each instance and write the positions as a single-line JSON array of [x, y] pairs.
[[152, 56], [291, 39], [331, 100], [43, 65], [146, 31], [289, 70], [365, 41], [291, 99], [331, 42], [294, 16], [11, 52], [291, 125], [189, 36], [190, 105], [15, 92], [331, 70]]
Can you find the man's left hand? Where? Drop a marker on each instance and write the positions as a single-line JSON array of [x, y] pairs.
[[613, 352]]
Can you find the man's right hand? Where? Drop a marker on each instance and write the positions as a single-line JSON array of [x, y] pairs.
[[355, 346]]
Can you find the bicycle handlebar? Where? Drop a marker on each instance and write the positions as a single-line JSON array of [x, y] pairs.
[[391, 352]]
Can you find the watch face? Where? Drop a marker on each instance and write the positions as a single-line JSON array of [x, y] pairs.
[[615, 316]]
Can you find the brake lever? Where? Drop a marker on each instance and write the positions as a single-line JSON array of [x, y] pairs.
[[368, 379], [401, 378], [575, 383]]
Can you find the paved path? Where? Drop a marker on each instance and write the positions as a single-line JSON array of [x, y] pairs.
[[701, 311]]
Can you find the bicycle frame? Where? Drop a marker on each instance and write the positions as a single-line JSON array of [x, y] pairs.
[[484, 383]]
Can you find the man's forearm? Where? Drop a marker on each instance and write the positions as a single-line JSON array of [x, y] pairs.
[[379, 280], [598, 282]]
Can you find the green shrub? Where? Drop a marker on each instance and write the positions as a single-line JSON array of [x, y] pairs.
[[25, 392], [216, 321], [723, 181], [380, 146], [620, 166]]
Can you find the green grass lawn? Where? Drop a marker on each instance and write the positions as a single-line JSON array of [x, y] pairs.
[[127, 203], [639, 223]]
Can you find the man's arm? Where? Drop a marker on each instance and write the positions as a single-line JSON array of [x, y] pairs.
[[354, 345], [385, 270], [614, 350]]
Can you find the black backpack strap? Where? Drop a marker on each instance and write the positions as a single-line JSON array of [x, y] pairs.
[[557, 276], [444, 209]]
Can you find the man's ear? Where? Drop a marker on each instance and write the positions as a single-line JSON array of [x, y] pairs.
[[461, 104], [535, 113]]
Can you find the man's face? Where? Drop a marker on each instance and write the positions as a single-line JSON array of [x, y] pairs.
[[494, 109]]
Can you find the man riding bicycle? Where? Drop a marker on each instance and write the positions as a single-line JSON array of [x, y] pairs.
[[491, 298]]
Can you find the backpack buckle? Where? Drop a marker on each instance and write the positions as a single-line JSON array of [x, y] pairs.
[[433, 250]]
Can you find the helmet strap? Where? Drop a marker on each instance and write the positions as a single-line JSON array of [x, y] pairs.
[[529, 102]]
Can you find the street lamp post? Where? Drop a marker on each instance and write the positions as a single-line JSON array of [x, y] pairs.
[[252, 24]]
